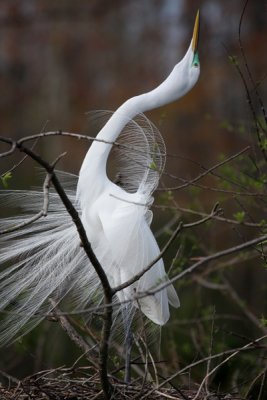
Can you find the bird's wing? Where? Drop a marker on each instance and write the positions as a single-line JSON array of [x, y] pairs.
[[132, 247], [140, 157], [44, 259]]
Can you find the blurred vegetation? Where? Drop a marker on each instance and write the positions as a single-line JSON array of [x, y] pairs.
[[61, 59]]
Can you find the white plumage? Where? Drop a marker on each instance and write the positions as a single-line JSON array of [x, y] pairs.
[[45, 259]]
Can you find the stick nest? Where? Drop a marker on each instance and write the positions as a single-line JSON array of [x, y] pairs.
[[63, 384]]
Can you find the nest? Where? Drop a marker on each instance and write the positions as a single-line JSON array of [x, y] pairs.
[[63, 384]]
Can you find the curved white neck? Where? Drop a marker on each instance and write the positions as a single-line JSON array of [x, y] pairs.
[[169, 90], [181, 79]]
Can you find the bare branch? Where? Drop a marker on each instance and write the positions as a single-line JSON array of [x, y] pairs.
[[247, 66], [205, 260], [253, 345], [44, 210], [108, 294], [209, 285], [235, 297], [25, 157], [165, 248], [235, 353], [189, 270], [216, 217], [208, 171], [250, 103], [40, 214], [72, 333], [9, 377], [12, 143]]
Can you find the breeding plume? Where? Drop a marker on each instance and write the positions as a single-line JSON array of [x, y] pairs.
[[45, 259]]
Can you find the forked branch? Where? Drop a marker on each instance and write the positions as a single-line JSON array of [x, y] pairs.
[[107, 314]]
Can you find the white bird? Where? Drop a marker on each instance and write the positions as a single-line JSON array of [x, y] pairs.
[[45, 259]]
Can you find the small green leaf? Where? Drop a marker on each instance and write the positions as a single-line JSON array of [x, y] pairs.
[[263, 223], [153, 165], [233, 60], [5, 178], [240, 216], [166, 197]]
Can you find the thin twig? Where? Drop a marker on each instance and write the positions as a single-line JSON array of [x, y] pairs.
[[40, 214], [188, 271], [203, 214], [43, 212], [108, 294], [181, 226], [9, 377], [210, 350], [254, 345], [224, 362], [251, 106], [12, 144], [25, 157], [246, 64], [71, 332], [208, 170], [261, 374], [207, 284], [235, 297], [205, 260]]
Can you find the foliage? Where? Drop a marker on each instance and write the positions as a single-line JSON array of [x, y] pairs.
[[5, 179]]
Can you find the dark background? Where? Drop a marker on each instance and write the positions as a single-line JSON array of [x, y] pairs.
[[59, 60]]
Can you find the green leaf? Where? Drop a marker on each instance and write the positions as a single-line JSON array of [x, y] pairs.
[[166, 197], [263, 223], [5, 178], [240, 216], [233, 60], [153, 165]]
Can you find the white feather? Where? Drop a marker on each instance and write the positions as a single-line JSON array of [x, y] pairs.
[[45, 259]]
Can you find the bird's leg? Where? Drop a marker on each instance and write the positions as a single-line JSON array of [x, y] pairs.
[[128, 348]]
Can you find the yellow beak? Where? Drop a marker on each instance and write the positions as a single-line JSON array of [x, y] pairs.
[[195, 34]]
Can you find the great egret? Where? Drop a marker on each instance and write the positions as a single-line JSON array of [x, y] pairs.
[[46, 258]]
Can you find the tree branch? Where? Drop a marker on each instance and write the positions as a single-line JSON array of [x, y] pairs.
[[181, 226], [71, 332], [253, 345], [108, 294]]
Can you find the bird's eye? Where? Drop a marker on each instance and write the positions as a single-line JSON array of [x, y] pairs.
[[195, 64]]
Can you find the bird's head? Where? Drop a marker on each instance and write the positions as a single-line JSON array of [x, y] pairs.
[[185, 74], [193, 59], [181, 79]]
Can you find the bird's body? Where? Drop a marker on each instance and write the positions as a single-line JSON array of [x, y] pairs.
[[116, 218]]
